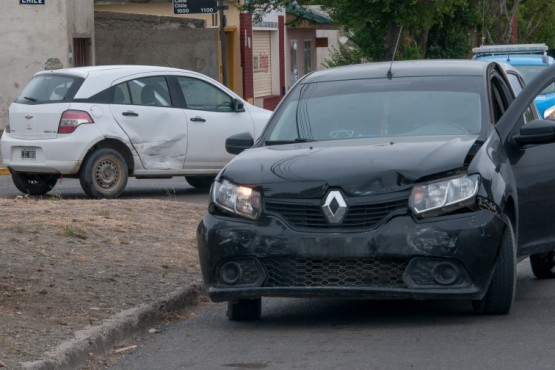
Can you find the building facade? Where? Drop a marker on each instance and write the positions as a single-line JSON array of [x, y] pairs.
[[42, 35]]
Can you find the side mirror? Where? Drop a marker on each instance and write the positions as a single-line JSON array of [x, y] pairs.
[[237, 143], [238, 106], [536, 132]]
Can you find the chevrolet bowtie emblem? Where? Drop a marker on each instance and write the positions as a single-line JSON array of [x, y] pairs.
[[334, 207]]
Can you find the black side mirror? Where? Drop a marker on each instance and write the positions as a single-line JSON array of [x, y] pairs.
[[238, 106], [237, 143], [536, 132]]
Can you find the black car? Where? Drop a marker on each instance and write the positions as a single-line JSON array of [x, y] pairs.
[[414, 180]]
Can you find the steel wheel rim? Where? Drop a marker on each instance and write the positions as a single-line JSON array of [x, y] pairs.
[[107, 174]]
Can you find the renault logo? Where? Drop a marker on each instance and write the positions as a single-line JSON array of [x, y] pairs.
[[334, 207]]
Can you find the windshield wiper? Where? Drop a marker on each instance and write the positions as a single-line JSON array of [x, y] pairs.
[[297, 140], [30, 99]]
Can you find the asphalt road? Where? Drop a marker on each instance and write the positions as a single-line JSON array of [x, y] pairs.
[[332, 334], [175, 188]]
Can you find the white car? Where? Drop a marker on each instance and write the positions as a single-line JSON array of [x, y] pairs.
[[103, 124]]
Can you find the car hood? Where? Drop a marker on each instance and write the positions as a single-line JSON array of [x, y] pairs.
[[357, 166]]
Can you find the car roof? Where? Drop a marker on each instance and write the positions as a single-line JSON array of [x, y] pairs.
[[115, 70], [452, 67]]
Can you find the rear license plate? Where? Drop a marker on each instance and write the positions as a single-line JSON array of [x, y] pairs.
[[28, 153]]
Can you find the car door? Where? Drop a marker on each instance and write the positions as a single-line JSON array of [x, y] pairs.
[[211, 118], [534, 172], [156, 128]]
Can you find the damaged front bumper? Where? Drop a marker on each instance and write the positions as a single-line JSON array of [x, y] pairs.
[[449, 257]]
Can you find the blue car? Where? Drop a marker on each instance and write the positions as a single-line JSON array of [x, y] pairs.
[[529, 59]]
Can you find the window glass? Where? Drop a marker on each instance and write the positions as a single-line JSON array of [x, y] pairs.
[[50, 88], [307, 56], [370, 108], [293, 68], [151, 91], [517, 86], [529, 72], [202, 95], [121, 94]]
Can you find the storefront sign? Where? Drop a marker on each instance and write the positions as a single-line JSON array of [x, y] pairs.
[[32, 2], [194, 6]]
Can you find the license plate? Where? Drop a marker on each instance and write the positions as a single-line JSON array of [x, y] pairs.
[[28, 153]]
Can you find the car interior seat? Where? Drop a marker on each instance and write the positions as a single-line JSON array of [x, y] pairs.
[[148, 96]]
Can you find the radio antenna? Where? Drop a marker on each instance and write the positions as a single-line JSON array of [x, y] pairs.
[[389, 74]]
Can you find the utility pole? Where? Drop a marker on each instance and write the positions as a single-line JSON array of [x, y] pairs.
[[221, 8]]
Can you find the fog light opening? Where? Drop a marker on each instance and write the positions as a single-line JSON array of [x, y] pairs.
[[445, 273], [230, 273]]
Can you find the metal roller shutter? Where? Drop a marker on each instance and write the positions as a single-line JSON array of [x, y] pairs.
[[262, 63]]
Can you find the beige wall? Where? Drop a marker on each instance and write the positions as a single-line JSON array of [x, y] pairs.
[[31, 34]]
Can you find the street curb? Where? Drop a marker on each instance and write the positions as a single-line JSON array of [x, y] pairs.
[[100, 340]]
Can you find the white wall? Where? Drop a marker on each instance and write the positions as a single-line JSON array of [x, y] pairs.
[[31, 34]]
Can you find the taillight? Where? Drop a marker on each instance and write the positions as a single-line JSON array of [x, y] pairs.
[[71, 119]]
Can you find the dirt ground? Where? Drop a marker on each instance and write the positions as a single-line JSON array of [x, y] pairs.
[[69, 264]]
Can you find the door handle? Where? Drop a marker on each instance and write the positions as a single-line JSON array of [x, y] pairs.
[[198, 119], [129, 113]]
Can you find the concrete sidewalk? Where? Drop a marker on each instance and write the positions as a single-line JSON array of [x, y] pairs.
[[100, 340]]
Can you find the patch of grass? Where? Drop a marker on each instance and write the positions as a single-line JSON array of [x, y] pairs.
[[103, 213], [75, 232], [20, 229]]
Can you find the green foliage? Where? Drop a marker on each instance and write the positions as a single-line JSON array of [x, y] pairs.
[[345, 55], [430, 28]]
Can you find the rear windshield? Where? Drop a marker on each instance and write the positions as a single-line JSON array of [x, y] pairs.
[[50, 88]]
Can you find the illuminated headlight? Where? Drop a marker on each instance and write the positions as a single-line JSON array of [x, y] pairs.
[[434, 198], [549, 113], [241, 200]]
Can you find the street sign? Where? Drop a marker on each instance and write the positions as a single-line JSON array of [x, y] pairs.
[[194, 6]]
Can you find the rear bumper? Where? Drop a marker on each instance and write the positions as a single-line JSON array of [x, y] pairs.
[[445, 258], [62, 155]]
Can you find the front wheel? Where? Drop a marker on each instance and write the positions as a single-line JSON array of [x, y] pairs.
[[34, 184], [542, 265], [501, 292], [103, 174], [244, 309]]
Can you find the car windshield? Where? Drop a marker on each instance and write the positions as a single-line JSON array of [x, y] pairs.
[[380, 107], [49, 88], [529, 72]]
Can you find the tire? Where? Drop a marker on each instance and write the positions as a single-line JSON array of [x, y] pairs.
[[104, 174], [34, 184], [200, 182], [542, 265], [501, 291], [244, 309]]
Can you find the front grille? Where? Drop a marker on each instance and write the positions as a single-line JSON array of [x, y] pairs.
[[334, 272], [311, 215]]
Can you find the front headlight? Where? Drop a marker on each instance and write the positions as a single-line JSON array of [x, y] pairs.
[[434, 198], [240, 200]]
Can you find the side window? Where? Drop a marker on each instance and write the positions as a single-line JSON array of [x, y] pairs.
[[201, 95], [121, 94], [518, 85], [500, 96], [152, 91]]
